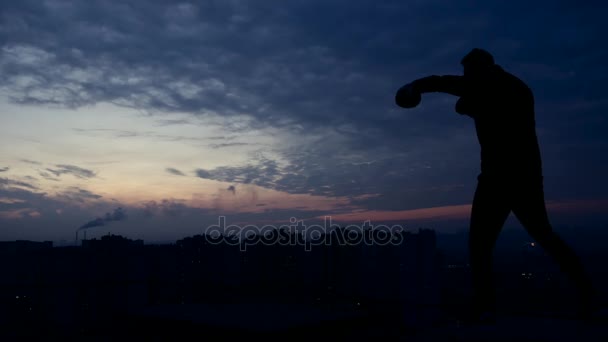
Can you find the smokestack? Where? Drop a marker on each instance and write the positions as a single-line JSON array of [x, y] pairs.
[[76, 239], [85, 235]]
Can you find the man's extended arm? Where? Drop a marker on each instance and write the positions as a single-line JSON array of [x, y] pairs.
[[450, 84], [408, 96], [454, 85]]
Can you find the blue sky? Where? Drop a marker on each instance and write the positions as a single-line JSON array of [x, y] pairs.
[[266, 110]]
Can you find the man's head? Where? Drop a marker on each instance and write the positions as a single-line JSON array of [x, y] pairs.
[[477, 62]]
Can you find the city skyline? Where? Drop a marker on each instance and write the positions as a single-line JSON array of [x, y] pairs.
[[180, 113]]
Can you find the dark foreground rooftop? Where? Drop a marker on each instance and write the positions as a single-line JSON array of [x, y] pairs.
[[293, 322], [518, 328]]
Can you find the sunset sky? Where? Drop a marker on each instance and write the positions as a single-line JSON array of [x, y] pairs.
[[266, 110]]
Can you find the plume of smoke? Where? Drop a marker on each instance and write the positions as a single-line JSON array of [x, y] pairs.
[[224, 198], [229, 199], [252, 195], [117, 215]]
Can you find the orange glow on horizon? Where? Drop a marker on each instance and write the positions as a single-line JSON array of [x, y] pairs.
[[446, 212], [463, 211]]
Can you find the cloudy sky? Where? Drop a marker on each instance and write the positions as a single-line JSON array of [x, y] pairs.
[[178, 112]]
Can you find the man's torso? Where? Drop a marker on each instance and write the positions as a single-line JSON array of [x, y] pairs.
[[505, 125]]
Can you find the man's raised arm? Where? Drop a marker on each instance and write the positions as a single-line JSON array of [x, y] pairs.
[[450, 84], [409, 95]]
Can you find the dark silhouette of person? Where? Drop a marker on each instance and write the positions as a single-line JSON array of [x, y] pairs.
[[511, 177]]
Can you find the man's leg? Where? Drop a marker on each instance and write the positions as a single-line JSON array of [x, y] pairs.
[[489, 212], [529, 208]]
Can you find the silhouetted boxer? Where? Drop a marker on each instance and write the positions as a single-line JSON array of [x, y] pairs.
[[511, 177]]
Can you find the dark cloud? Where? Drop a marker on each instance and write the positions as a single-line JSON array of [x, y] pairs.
[[33, 162], [221, 137], [8, 183], [20, 197], [118, 214], [262, 174], [171, 122], [282, 63], [175, 172], [233, 144], [119, 133], [4, 169], [78, 195], [327, 69], [71, 170], [396, 181], [203, 174], [273, 61], [47, 176]]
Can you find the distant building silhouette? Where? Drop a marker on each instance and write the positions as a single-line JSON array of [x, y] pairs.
[[110, 280]]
